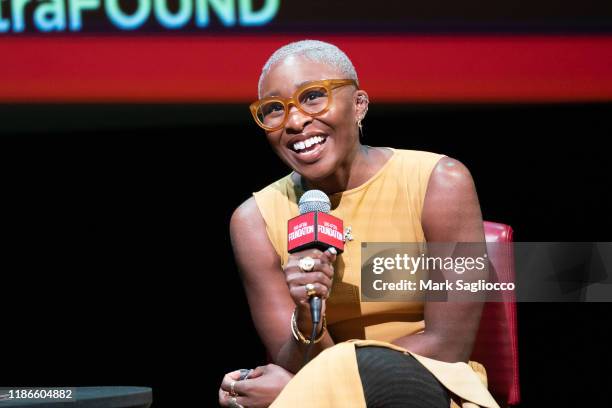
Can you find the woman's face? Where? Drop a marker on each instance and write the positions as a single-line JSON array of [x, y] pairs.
[[336, 129]]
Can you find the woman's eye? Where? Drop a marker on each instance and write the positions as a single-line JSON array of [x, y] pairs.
[[271, 108], [312, 95]]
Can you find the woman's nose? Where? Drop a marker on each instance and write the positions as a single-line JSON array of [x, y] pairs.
[[296, 120]]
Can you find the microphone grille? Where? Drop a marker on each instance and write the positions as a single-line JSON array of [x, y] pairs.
[[314, 200]]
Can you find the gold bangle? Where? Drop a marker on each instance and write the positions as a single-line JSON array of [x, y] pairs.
[[298, 334]]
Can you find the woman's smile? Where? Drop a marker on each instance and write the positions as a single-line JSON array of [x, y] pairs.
[[308, 148]]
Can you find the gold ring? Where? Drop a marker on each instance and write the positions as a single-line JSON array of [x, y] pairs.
[[232, 391], [306, 264], [310, 289]]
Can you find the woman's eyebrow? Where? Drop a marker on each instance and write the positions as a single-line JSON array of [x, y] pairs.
[[276, 93], [269, 94]]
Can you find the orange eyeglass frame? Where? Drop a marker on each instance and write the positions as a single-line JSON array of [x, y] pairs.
[[328, 84]]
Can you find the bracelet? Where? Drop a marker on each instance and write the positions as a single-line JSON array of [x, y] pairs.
[[298, 334]]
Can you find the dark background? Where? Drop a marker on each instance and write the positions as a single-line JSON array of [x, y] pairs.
[[117, 266]]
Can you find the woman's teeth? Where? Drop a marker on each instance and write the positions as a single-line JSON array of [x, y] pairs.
[[305, 144]]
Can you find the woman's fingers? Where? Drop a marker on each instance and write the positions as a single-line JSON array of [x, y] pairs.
[[257, 372], [319, 277], [302, 278], [228, 378], [330, 255], [323, 257], [225, 400], [300, 292], [259, 390], [239, 388], [293, 266]]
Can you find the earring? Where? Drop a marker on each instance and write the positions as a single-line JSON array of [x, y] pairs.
[[361, 99]]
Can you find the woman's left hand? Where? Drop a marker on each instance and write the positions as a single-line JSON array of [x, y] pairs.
[[258, 391]]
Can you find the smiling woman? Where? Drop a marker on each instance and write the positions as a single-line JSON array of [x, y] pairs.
[[407, 354], [310, 106]]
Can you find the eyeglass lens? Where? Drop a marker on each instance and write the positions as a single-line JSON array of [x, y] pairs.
[[311, 100]]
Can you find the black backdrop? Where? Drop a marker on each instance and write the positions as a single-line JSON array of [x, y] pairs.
[[117, 267]]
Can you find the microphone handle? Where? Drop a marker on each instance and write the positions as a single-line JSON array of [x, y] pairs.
[[315, 310], [315, 301], [315, 315]]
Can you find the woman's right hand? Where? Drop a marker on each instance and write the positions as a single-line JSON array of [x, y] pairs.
[[320, 276], [259, 391]]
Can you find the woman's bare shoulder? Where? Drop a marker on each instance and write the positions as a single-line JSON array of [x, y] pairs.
[[246, 216], [451, 210]]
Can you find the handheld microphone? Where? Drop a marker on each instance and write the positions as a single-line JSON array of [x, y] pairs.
[[315, 228]]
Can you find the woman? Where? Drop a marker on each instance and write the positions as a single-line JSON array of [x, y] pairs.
[[311, 108]]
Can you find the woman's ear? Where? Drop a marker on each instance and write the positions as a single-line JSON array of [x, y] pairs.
[[361, 104]]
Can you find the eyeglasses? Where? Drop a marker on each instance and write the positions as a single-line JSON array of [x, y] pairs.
[[313, 98]]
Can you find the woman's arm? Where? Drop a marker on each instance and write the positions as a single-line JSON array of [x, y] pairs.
[[451, 213], [266, 286]]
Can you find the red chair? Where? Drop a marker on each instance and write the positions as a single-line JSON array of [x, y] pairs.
[[496, 345]]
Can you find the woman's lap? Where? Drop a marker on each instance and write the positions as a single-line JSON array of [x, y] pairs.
[[391, 379], [348, 375]]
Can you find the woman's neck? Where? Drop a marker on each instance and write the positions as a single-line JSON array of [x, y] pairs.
[[358, 167]]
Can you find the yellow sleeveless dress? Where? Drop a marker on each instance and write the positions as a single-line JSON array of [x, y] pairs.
[[386, 208]]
